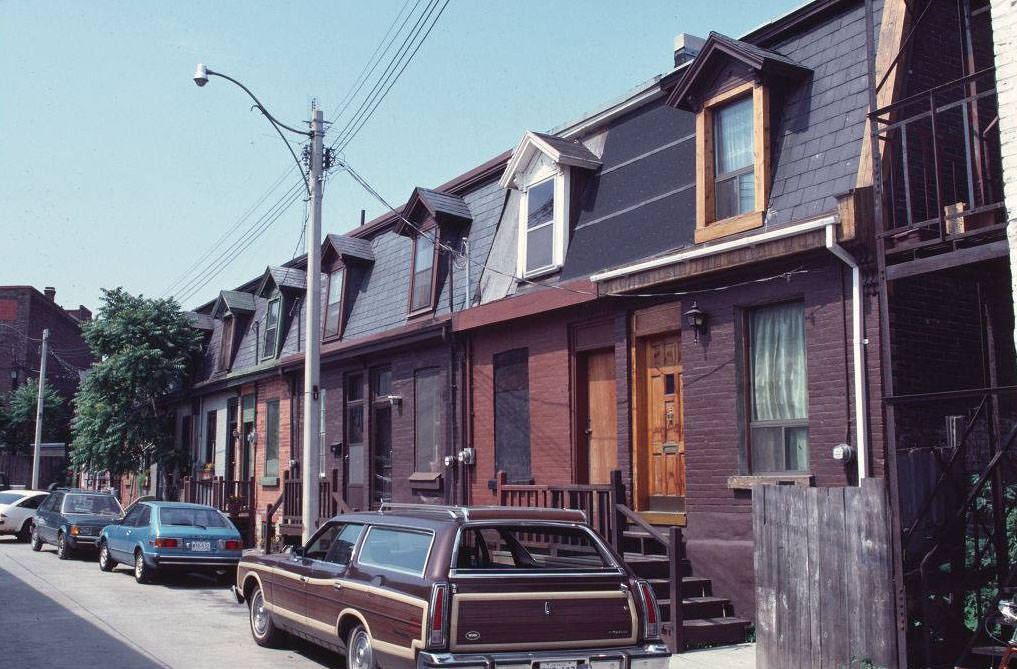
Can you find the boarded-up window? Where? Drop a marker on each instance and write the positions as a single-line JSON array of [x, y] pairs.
[[427, 404], [512, 414], [272, 438], [211, 419]]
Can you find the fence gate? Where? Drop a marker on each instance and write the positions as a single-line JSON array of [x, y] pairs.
[[823, 577]]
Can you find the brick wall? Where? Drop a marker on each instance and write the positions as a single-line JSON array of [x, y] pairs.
[[719, 531], [1004, 31]]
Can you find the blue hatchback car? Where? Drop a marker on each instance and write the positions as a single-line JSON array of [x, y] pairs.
[[162, 536]]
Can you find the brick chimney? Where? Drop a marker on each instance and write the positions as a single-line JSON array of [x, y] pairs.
[[50, 293], [686, 47]]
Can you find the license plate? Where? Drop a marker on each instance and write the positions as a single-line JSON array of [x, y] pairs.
[[558, 664], [203, 546]]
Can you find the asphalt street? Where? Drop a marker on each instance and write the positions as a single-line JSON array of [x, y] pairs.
[[56, 613]]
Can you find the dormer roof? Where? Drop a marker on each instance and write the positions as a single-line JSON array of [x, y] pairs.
[[235, 302], [558, 149], [285, 279], [347, 248], [425, 204], [719, 48], [200, 321]]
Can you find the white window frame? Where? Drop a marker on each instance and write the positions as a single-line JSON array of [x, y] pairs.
[[540, 171]]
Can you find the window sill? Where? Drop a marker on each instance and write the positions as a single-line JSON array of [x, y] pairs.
[[539, 273], [425, 480], [747, 481], [728, 226], [424, 311], [269, 481]]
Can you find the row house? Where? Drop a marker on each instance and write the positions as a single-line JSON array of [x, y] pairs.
[[733, 276]]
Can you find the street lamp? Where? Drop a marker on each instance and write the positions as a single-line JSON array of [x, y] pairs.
[[312, 301]]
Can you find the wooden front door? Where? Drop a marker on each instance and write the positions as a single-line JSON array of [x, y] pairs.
[[663, 423], [600, 413]]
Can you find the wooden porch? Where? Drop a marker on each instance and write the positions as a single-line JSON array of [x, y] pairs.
[[288, 508], [234, 498]]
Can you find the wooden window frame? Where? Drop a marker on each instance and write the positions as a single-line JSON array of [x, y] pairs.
[[745, 339], [562, 176], [708, 228], [226, 342], [433, 232], [325, 334], [274, 351]]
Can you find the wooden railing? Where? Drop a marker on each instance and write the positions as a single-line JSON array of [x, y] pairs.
[[597, 500], [290, 504], [230, 496]]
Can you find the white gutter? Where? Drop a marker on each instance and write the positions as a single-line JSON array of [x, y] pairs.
[[828, 222], [858, 351], [734, 244]]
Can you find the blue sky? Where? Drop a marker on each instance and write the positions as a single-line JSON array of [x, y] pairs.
[[118, 170]]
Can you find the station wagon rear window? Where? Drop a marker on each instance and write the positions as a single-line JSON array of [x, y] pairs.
[[192, 517], [530, 549], [397, 550]]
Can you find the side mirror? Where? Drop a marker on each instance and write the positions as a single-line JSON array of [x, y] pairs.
[[298, 551]]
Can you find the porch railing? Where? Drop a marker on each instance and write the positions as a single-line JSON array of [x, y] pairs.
[[229, 496], [290, 504]]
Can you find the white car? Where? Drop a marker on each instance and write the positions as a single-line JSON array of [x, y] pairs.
[[17, 511]]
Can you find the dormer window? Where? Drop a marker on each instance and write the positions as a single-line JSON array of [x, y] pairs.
[[734, 188], [422, 272], [271, 331], [541, 170], [231, 306], [226, 343], [334, 308]]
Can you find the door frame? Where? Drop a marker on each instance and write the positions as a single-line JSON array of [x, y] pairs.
[[661, 319]]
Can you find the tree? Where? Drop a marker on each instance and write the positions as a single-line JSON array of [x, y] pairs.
[[145, 349], [17, 417]]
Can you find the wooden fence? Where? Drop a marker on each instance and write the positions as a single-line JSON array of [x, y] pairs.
[[823, 569]]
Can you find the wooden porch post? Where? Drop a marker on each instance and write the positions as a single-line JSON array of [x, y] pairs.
[[675, 553]]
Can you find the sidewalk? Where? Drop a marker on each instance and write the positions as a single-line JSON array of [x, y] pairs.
[[742, 656]]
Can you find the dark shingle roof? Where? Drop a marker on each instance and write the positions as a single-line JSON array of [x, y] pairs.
[[236, 302], [200, 321], [288, 278], [354, 247], [440, 203], [568, 148]]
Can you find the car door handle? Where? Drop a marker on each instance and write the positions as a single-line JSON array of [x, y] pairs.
[[303, 579], [337, 585]]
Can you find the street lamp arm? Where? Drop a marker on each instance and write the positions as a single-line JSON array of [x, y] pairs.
[[275, 124]]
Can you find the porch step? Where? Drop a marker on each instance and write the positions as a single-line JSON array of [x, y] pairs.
[[702, 631], [697, 607], [653, 566]]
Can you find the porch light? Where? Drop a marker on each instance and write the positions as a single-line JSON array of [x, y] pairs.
[[696, 319]]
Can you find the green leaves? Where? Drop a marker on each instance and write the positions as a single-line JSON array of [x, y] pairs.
[[146, 348], [17, 417]]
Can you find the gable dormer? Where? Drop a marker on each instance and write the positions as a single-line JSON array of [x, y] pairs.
[[541, 169], [344, 261], [430, 218], [234, 309], [281, 287], [729, 86]]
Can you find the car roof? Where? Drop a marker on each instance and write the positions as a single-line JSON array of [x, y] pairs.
[[27, 493], [162, 504]]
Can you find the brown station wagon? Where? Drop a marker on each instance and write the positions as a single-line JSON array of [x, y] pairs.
[[439, 586]]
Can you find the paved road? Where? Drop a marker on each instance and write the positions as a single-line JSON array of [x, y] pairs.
[[68, 613]]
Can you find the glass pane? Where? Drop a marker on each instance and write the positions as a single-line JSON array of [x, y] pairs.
[[797, 448], [424, 249], [669, 384], [540, 204], [190, 517], [427, 410], [746, 193], [383, 382], [767, 449], [272, 439], [421, 296], [335, 286], [356, 424], [396, 549], [356, 464], [539, 248], [777, 352], [317, 547], [334, 307], [341, 551], [732, 132], [354, 388], [522, 548]]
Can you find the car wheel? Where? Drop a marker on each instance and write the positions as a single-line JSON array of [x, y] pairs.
[[359, 654], [142, 572], [63, 552], [106, 561], [27, 530], [263, 630], [36, 539]]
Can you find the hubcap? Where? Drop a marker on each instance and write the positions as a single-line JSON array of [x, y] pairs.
[[139, 565], [360, 651], [259, 619]]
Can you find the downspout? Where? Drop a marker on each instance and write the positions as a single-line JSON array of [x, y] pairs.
[[858, 351]]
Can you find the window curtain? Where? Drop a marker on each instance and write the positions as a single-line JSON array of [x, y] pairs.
[[733, 132], [779, 390]]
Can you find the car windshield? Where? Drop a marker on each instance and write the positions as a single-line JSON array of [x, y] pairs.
[[10, 497], [104, 505], [192, 517]]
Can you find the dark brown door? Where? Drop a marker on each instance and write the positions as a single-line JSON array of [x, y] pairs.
[[599, 412], [381, 436], [664, 423]]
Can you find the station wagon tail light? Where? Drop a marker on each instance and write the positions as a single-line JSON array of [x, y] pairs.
[[651, 622], [232, 545], [167, 543], [437, 635]]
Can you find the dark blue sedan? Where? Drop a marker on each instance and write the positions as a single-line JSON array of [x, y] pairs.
[[162, 536]]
